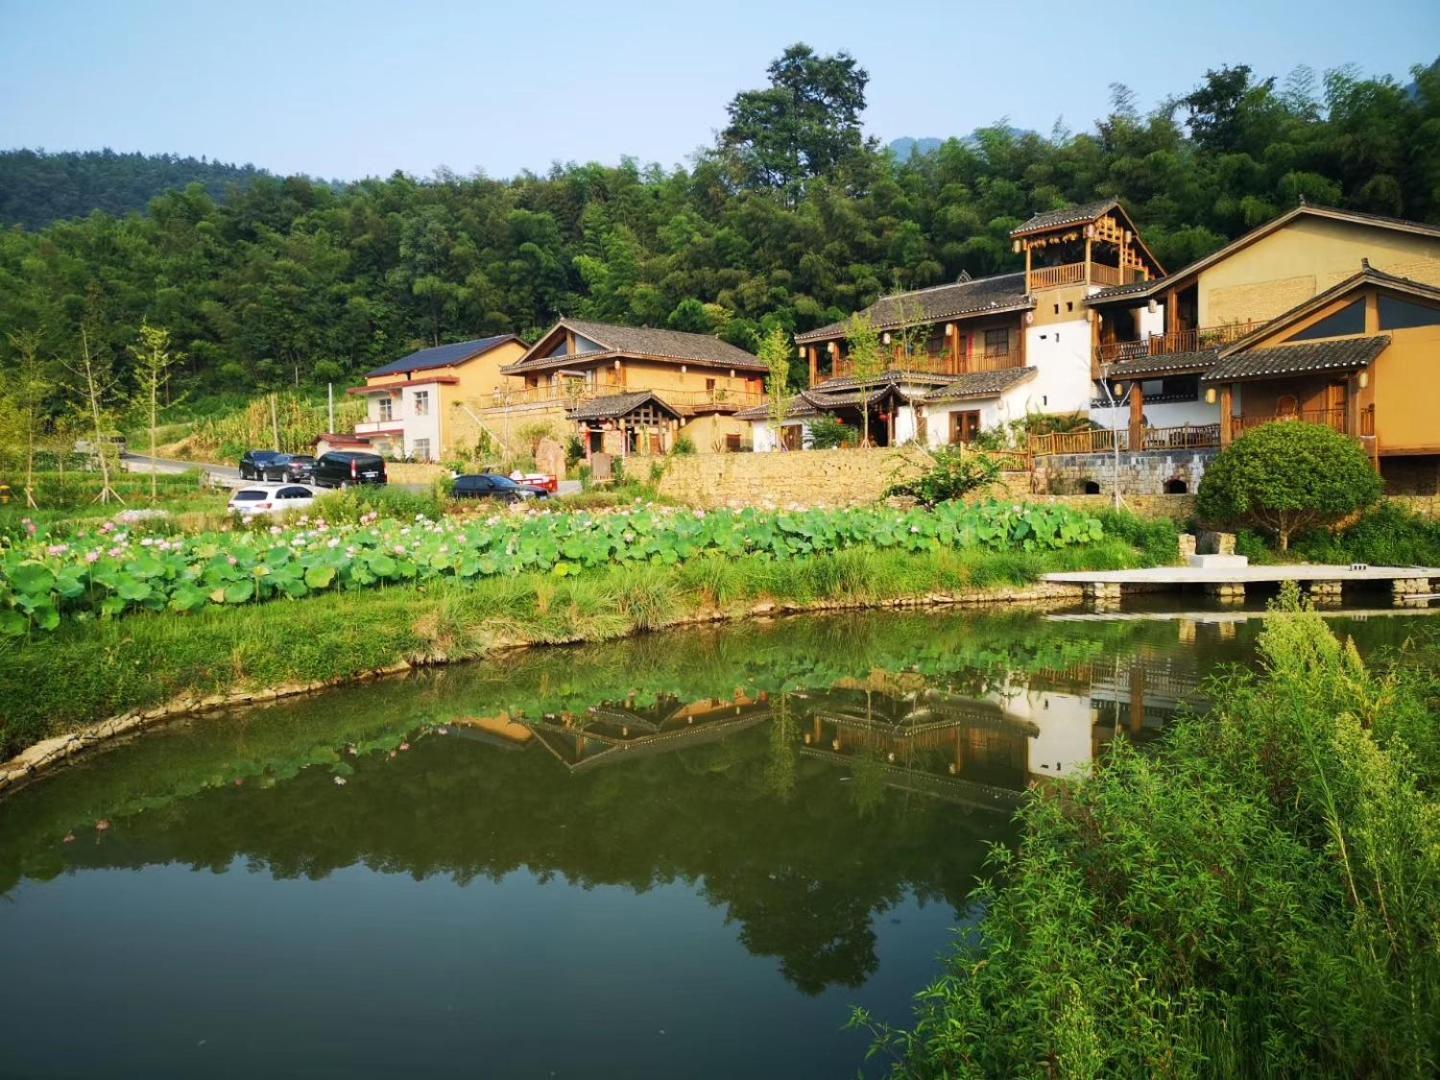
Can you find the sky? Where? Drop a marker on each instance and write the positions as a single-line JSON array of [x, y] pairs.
[[365, 88]]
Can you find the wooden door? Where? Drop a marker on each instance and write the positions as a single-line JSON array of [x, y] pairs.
[[1335, 401], [964, 426]]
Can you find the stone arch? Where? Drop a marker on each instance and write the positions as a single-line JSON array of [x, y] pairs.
[[1091, 487], [1176, 486]]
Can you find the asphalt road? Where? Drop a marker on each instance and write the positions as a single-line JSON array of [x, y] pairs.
[[141, 463]]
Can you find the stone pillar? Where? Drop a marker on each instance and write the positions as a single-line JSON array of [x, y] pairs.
[[1187, 548]]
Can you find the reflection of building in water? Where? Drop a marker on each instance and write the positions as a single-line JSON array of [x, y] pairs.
[[1020, 730], [609, 733], [980, 746]]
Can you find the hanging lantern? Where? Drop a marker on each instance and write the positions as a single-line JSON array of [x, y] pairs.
[[949, 329], [1364, 379], [1209, 395], [1152, 306]]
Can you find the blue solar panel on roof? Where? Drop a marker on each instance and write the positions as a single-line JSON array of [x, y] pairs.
[[440, 356]]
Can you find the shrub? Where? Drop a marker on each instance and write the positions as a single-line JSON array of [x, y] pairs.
[[955, 473], [684, 446], [827, 433], [1288, 477], [1388, 535]]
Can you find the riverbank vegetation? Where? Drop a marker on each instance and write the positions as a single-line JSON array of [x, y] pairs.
[[1260, 897], [110, 571], [54, 682]]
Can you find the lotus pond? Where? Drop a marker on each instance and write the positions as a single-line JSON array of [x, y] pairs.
[[680, 855], [111, 569]]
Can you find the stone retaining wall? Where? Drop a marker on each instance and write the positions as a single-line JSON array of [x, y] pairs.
[[782, 479], [1141, 474]]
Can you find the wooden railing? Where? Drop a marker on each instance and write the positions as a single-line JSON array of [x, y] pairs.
[[1103, 440], [1331, 418], [1044, 277], [937, 363], [563, 396], [1182, 341]]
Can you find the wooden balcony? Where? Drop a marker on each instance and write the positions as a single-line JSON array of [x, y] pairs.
[[1081, 273], [1103, 440], [1046, 277], [1334, 419], [937, 363], [1182, 341], [565, 396]]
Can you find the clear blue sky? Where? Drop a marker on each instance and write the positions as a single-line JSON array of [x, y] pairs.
[[362, 87]]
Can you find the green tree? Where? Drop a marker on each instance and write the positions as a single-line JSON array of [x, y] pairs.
[[804, 125], [27, 388], [775, 354], [867, 358], [153, 361], [1286, 477]]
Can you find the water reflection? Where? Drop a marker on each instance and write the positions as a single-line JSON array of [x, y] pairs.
[[815, 782]]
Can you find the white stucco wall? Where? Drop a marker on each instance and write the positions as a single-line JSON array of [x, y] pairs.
[[1164, 414], [1151, 322], [993, 413], [764, 439], [421, 427], [1060, 353], [904, 424], [1065, 720]]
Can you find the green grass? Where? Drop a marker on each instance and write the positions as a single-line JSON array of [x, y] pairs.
[[86, 671], [1259, 898]]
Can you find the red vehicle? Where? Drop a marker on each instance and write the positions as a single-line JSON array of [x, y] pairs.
[[542, 481]]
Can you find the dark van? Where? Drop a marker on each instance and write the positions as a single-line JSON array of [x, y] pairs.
[[345, 468]]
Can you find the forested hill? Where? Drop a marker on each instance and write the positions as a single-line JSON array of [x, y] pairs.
[[791, 218], [37, 188]]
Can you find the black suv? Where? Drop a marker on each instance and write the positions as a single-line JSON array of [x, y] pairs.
[[263, 465], [493, 486], [344, 468]]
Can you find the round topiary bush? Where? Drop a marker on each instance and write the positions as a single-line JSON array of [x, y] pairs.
[[1286, 477]]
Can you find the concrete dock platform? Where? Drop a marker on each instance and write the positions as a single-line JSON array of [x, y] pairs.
[[1326, 584]]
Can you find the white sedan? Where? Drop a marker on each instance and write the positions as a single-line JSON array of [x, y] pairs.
[[271, 499]]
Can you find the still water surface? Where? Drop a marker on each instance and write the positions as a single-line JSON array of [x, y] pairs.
[[684, 855]]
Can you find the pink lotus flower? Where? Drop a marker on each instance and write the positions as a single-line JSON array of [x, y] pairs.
[[102, 825]]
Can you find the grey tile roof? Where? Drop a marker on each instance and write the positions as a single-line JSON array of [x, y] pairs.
[[644, 341], [893, 377], [1071, 215], [1002, 292], [980, 384], [442, 355], [1341, 354], [810, 403], [1116, 292], [613, 406], [1184, 363]]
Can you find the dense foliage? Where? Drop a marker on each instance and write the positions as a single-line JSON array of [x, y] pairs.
[[112, 570], [1261, 898], [953, 473], [37, 188], [1287, 477], [1388, 535], [789, 220]]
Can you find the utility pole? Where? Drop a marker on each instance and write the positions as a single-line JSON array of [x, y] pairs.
[[1115, 403], [330, 406], [274, 423]]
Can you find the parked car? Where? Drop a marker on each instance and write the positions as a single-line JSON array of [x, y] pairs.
[[493, 486], [538, 480], [271, 499], [263, 465], [300, 468], [345, 468]]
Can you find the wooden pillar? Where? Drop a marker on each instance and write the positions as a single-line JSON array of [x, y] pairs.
[[1227, 421], [1172, 311], [1137, 699], [1020, 343], [1087, 259], [1027, 266], [955, 360], [814, 363], [1137, 416]]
